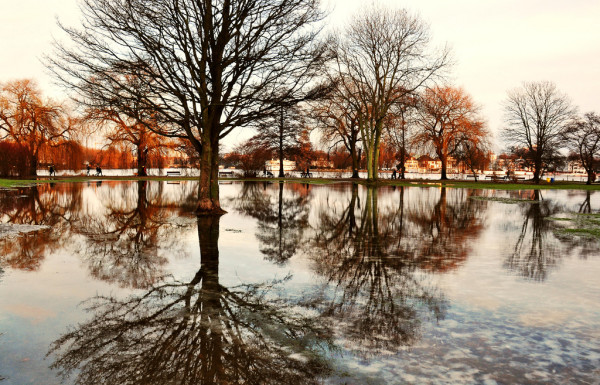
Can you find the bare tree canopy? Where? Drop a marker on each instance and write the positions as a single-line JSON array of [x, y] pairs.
[[536, 116], [205, 67], [381, 57], [582, 136], [337, 121]]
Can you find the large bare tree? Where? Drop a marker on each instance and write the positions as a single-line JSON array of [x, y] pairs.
[[582, 136], [382, 56], [536, 115], [206, 66]]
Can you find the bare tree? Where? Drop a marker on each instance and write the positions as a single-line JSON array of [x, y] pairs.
[[381, 58], [401, 121], [583, 137], [206, 67], [281, 133], [536, 116], [337, 121]]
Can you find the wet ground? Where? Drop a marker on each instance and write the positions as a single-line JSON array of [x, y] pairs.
[[119, 283]]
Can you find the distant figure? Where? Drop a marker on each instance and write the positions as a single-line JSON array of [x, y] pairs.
[[88, 168], [394, 173], [98, 171], [52, 171]]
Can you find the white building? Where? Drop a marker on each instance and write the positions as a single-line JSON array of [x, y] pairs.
[[273, 165]]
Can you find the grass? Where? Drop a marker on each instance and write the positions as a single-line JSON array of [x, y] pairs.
[[584, 225], [490, 185], [503, 200]]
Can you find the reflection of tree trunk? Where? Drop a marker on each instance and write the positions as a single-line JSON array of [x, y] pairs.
[[280, 219], [586, 206], [351, 214]]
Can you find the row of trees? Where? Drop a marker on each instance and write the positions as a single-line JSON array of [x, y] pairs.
[[191, 71], [540, 121]]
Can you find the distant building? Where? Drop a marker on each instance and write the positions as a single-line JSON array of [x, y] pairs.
[[273, 165], [411, 165], [321, 163]]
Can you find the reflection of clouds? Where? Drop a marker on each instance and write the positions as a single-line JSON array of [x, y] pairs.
[[195, 332], [34, 314]]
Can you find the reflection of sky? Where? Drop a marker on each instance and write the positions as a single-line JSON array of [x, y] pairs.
[[499, 326]]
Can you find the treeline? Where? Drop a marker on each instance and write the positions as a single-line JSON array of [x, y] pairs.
[[39, 132]]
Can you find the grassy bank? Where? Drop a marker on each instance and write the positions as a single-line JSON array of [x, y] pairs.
[[567, 185]]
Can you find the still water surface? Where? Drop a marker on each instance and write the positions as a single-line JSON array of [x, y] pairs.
[[119, 283]]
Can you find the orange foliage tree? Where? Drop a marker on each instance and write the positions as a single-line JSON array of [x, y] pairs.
[[449, 119], [30, 121]]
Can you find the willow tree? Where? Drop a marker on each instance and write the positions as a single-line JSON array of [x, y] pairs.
[[382, 57], [206, 67]]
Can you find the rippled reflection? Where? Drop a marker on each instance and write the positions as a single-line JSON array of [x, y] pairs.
[[376, 256], [533, 254], [281, 218], [368, 272], [196, 332]]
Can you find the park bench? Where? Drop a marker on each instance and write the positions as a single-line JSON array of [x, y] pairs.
[[225, 174], [307, 174], [173, 173], [268, 174]]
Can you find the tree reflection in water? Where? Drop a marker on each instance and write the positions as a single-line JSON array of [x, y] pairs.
[[51, 206], [376, 259], [196, 332], [127, 244], [282, 220], [534, 254]]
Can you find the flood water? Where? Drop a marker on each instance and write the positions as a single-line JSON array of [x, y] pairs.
[[120, 283]]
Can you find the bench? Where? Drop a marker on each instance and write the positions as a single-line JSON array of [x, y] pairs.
[[268, 174], [173, 173], [225, 174], [305, 174]]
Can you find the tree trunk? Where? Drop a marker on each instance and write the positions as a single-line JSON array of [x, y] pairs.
[[444, 159], [32, 166], [281, 173], [591, 176], [142, 154], [355, 160], [208, 189]]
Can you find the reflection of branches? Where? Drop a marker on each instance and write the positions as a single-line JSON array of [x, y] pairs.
[[124, 245], [533, 255], [196, 332], [444, 230], [371, 261], [44, 205], [281, 220]]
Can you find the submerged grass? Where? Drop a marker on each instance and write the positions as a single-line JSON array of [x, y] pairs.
[[503, 200], [582, 225]]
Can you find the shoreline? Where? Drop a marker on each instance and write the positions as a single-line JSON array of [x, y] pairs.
[[484, 184]]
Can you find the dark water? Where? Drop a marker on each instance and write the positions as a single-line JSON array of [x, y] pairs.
[[119, 283]]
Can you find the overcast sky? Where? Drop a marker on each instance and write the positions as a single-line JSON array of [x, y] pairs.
[[496, 44]]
